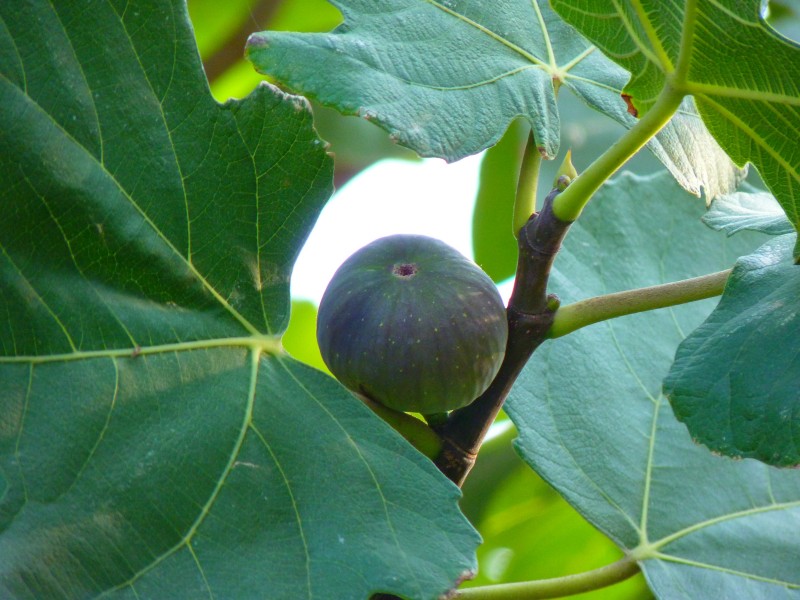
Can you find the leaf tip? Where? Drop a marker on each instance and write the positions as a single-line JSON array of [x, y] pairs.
[[256, 41]]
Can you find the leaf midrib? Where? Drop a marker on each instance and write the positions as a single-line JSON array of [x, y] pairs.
[[700, 525], [710, 89], [263, 343]]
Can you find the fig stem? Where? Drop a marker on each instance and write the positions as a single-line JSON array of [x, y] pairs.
[[435, 419], [530, 315], [417, 433]]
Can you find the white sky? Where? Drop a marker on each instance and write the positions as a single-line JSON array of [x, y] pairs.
[[430, 197]]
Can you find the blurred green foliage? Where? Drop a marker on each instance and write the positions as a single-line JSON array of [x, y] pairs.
[[300, 338]]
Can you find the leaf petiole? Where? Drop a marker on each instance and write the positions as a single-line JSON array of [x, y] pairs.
[[527, 185], [601, 308], [569, 204], [557, 587]]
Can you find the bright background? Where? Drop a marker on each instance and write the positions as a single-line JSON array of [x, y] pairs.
[[428, 197]]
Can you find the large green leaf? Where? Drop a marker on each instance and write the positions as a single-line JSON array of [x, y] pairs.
[[155, 441], [213, 473], [736, 379], [447, 78], [124, 169], [593, 422], [743, 75]]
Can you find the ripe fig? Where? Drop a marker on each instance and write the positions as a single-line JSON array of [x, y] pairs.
[[411, 323]]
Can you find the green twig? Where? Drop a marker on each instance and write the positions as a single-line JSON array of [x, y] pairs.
[[569, 204], [527, 185], [583, 313], [557, 587]]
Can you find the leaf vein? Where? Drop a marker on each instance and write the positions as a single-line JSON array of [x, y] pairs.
[[726, 570], [791, 170], [186, 538], [524, 53], [298, 517], [723, 519], [367, 466], [32, 290]]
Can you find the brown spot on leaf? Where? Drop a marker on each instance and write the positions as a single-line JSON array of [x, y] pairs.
[[453, 592], [631, 108]]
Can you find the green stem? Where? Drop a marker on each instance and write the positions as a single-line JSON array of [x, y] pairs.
[[557, 587], [417, 433], [569, 204], [527, 185], [583, 313]]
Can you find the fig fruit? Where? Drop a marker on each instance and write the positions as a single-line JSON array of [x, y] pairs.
[[413, 324]]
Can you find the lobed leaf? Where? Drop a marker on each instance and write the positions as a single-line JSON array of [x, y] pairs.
[[736, 379], [447, 78], [592, 420], [743, 75], [444, 78], [138, 483], [155, 441], [137, 199]]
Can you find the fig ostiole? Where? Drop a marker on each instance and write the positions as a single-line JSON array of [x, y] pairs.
[[411, 323]]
